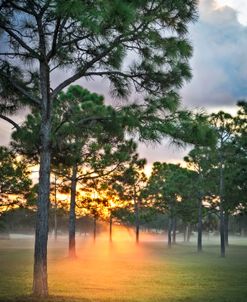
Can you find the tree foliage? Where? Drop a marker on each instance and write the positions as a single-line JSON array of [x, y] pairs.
[[15, 180]]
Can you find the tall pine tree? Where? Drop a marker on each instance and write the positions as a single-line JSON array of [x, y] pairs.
[[90, 38]]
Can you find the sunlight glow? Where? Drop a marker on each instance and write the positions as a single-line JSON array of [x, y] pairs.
[[102, 266]]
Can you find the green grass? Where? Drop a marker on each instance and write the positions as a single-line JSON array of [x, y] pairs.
[[124, 272]]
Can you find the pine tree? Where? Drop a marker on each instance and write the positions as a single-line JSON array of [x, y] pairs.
[[89, 39], [15, 181], [170, 186]]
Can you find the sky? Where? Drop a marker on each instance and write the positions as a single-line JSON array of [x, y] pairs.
[[219, 61], [219, 67]]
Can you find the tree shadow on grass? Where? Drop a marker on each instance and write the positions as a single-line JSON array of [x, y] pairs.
[[48, 299]]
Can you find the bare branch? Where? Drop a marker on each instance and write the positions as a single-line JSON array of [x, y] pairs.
[[60, 125], [99, 173], [54, 42], [83, 121], [14, 54], [20, 8], [45, 7], [77, 39], [60, 34], [113, 72], [92, 119], [20, 89], [10, 121], [20, 41]]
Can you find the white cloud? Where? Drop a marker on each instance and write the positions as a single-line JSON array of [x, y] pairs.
[[219, 63], [239, 5]]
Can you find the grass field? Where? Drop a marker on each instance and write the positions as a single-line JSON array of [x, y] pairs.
[[124, 272]]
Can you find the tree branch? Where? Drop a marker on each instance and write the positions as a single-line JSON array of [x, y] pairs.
[[99, 175], [20, 89], [119, 73], [14, 54], [20, 41], [60, 125], [54, 42], [20, 8], [82, 72], [10, 121], [45, 7], [93, 118], [118, 40]]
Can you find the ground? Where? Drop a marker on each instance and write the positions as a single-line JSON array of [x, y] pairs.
[[123, 272]]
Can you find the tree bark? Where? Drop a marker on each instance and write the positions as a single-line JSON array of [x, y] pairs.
[[110, 231], [199, 226], [242, 231], [241, 225], [40, 285], [188, 232], [94, 228], [222, 232], [72, 215], [55, 209], [174, 230], [169, 232], [226, 229], [222, 218], [137, 221]]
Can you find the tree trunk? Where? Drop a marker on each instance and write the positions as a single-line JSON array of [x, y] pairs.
[[55, 209], [222, 218], [188, 232], [137, 222], [226, 229], [174, 230], [185, 230], [169, 232], [137, 233], [72, 216], [222, 232], [94, 228], [110, 231], [40, 285], [137, 217], [199, 226]]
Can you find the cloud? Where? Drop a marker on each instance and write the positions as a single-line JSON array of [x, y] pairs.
[[219, 67], [239, 5], [219, 63]]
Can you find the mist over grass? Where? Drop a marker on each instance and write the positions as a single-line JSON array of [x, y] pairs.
[[123, 271]]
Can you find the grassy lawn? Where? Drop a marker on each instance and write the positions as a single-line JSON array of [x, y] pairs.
[[123, 272]]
